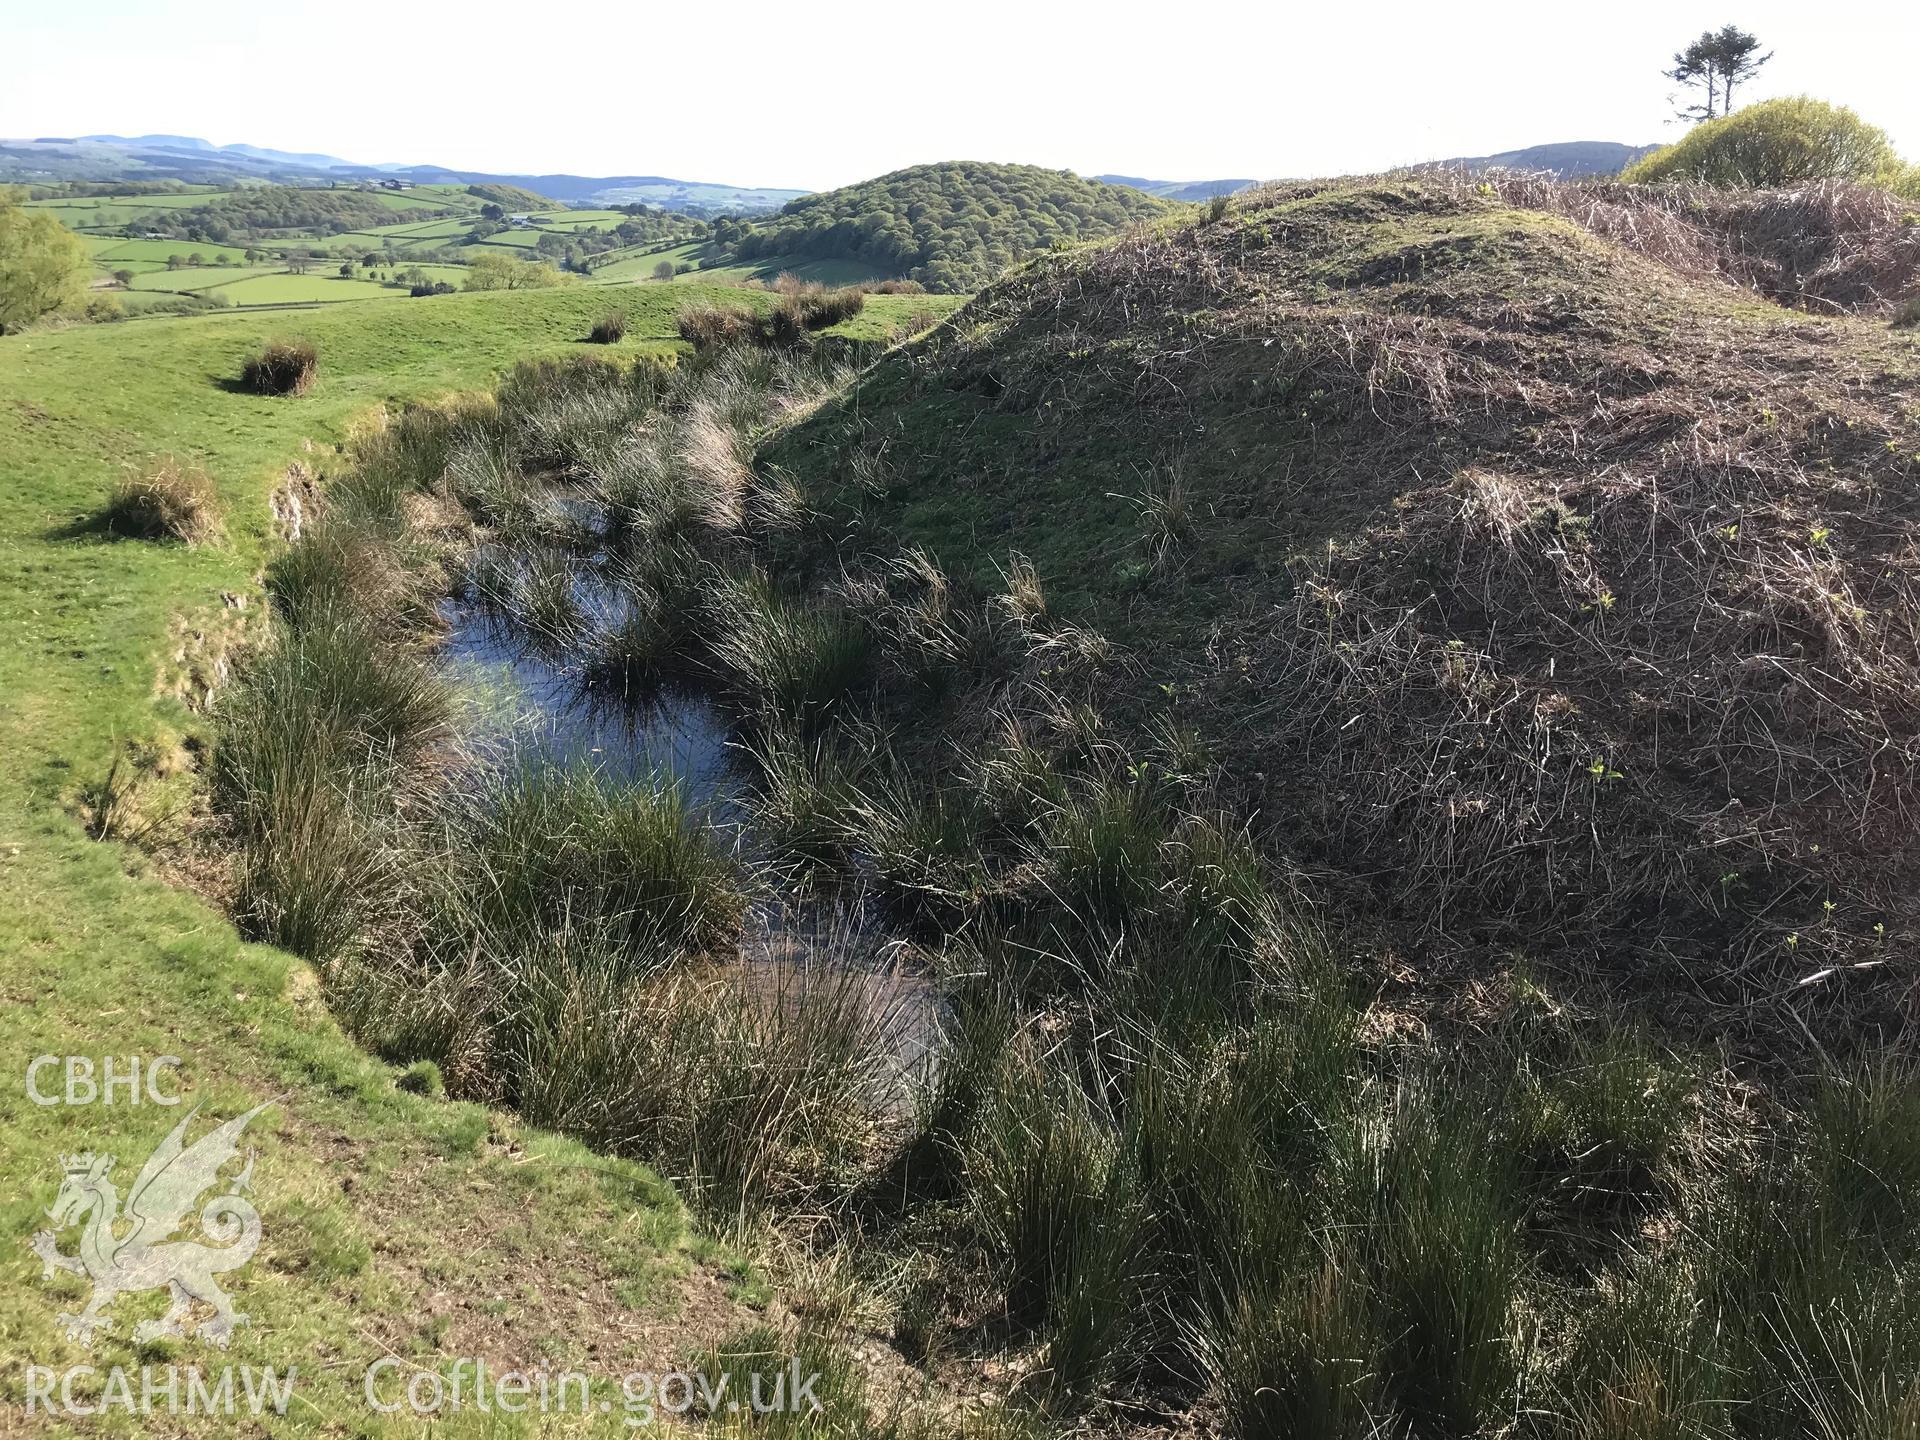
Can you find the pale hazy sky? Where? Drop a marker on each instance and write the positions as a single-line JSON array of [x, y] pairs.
[[819, 95]]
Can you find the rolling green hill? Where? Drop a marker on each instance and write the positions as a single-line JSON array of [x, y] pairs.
[[952, 226], [511, 197]]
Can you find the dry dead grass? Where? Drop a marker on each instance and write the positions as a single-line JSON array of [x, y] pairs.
[[1834, 246], [169, 501], [283, 367], [1601, 635]]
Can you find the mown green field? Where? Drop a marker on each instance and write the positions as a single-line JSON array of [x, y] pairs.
[[426, 197], [109, 251], [272, 284], [286, 289], [195, 279], [510, 240], [393, 1224]]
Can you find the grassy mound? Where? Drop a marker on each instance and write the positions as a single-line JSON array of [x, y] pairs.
[[1553, 598]]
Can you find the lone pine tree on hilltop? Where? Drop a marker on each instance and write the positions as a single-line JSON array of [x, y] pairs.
[[1718, 61]]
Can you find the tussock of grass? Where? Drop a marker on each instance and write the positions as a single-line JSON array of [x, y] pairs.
[[1025, 598], [1601, 1127], [283, 367], [406, 454], [922, 843], [717, 459], [799, 308], [1166, 512], [809, 306], [169, 501], [542, 843], [762, 1362], [609, 329], [711, 327], [377, 702], [791, 658], [806, 790], [1044, 1170], [1296, 1357], [1443, 1249], [339, 568], [301, 744], [1103, 846], [744, 1086]]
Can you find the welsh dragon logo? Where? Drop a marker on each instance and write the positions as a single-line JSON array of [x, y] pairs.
[[145, 1256]]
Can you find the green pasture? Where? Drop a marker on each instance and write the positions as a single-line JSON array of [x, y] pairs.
[[281, 288], [638, 268], [159, 250], [192, 280]]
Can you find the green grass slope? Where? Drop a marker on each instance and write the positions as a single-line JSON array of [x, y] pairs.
[[1557, 604], [393, 1223], [713, 263], [954, 226]]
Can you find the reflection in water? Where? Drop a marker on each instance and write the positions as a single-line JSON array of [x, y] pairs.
[[821, 960], [541, 704]]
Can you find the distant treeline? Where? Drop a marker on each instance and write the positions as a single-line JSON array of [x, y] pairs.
[[107, 189]]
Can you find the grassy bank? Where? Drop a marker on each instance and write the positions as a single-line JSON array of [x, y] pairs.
[[393, 1223]]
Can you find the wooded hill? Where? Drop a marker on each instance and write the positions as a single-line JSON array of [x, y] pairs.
[[952, 226]]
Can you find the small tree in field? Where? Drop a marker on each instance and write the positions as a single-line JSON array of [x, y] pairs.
[[123, 278], [43, 265], [1717, 62], [503, 272], [663, 271]]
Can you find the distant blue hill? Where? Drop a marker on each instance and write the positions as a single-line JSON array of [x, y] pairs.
[[1179, 189], [186, 157], [1569, 160]]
